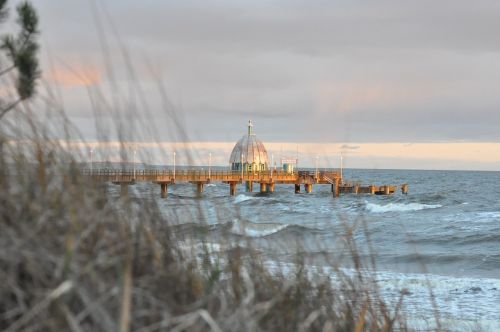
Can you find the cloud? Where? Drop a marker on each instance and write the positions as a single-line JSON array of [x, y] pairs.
[[74, 76], [304, 71], [350, 147]]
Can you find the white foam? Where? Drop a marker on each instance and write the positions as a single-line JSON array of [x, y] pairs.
[[493, 215], [192, 247], [399, 207], [246, 228], [485, 217], [242, 198], [461, 302]]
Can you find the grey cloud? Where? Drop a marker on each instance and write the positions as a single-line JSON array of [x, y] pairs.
[[387, 70], [316, 27]]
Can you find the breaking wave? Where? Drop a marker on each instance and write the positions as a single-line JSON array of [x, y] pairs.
[[250, 229], [242, 198], [399, 207]]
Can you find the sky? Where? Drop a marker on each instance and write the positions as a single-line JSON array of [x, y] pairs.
[[389, 84]]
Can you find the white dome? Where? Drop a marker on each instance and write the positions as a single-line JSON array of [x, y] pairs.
[[250, 152]]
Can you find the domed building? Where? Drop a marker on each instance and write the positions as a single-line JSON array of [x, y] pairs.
[[249, 154]]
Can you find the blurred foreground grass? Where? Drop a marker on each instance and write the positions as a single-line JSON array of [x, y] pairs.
[[73, 258]]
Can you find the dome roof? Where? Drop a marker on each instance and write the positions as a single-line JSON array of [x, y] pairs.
[[252, 150]]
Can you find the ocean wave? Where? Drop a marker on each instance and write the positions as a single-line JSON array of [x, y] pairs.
[[242, 198], [246, 228], [474, 217], [462, 301], [430, 198], [459, 238], [188, 246], [190, 228], [400, 207], [435, 258], [492, 215]]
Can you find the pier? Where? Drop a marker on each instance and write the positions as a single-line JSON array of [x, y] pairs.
[[249, 164], [267, 180]]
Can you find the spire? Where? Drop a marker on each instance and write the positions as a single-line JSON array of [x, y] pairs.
[[250, 126]]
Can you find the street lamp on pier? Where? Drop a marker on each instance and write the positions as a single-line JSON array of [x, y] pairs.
[[209, 164], [91, 162], [174, 166], [135, 152], [241, 164], [341, 177], [317, 159], [272, 162]]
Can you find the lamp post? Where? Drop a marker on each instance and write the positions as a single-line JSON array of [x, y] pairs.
[[317, 159], [209, 164], [241, 164], [272, 162], [174, 165], [341, 177], [135, 151], [91, 162]]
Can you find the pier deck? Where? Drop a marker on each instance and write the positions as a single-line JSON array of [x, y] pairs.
[[266, 179]]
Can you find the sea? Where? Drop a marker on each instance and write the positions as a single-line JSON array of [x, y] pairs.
[[440, 242]]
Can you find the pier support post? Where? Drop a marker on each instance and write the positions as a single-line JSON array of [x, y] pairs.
[[372, 190], [335, 188], [163, 190], [249, 186], [387, 190], [199, 188], [308, 188], [232, 188], [297, 188], [263, 187], [271, 187], [404, 189], [355, 189]]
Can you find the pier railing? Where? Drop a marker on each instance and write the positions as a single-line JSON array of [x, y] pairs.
[[163, 175]]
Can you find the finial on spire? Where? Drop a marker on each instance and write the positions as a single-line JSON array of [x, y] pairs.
[[250, 125]]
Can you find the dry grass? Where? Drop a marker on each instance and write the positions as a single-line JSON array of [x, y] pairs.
[[74, 259]]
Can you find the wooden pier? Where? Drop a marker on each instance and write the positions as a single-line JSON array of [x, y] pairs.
[[356, 188], [266, 179]]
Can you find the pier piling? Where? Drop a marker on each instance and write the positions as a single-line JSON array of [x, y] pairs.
[[336, 189], [297, 188], [164, 189], [387, 190], [404, 189], [200, 186], [263, 187], [232, 188], [249, 186]]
